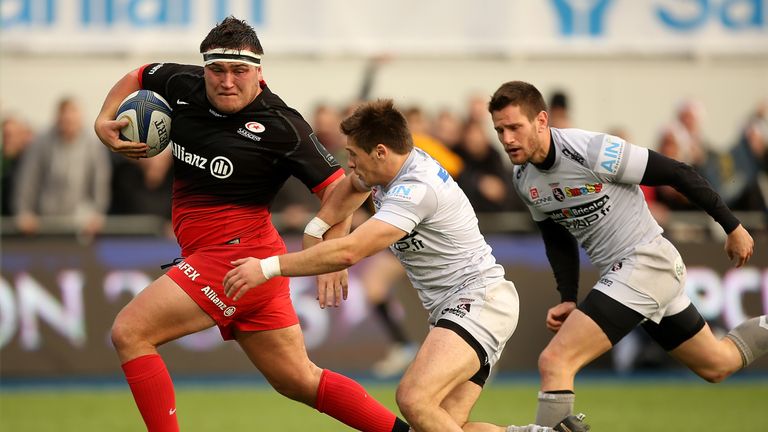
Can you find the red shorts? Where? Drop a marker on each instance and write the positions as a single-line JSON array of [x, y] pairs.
[[266, 307]]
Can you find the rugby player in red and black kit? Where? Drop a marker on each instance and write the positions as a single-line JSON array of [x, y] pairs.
[[234, 143]]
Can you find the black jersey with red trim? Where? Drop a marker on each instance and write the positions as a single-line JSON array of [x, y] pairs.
[[229, 167]]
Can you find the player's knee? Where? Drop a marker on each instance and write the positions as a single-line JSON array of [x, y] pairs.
[[298, 387], [550, 361], [411, 402], [123, 335], [714, 375]]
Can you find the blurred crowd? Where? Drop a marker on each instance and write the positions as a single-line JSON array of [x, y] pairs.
[[65, 174]]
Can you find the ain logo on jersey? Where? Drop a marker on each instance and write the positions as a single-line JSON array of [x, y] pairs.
[[610, 156], [409, 192]]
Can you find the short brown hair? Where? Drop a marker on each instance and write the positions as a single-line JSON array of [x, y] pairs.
[[521, 94], [234, 34], [378, 122]]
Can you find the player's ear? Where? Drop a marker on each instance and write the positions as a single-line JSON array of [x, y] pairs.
[[381, 151], [542, 121]]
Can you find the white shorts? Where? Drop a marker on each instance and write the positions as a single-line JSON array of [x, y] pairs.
[[488, 314], [650, 280]]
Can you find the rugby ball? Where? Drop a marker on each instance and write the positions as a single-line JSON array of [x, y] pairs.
[[149, 120]]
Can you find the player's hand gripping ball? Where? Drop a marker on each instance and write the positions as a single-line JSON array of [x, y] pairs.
[[149, 120]]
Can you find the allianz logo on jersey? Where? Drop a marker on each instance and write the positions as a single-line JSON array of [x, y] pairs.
[[219, 167]]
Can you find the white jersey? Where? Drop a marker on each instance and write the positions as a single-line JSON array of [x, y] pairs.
[[592, 190], [444, 250]]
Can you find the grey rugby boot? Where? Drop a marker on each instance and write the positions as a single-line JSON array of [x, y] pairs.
[[572, 423]]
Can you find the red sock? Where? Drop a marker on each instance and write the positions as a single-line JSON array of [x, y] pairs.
[[153, 392], [347, 401]]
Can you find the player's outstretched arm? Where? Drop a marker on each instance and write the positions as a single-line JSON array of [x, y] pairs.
[[328, 256], [663, 171], [331, 287], [108, 129]]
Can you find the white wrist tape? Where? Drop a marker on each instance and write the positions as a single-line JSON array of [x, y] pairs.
[[316, 228], [271, 267]]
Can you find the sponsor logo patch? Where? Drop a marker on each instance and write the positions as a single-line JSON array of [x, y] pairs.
[[180, 153], [587, 189], [221, 167], [409, 242], [329, 159], [410, 192], [558, 194], [610, 156], [188, 270], [461, 310], [255, 127], [211, 294], [248, 134], [573, 156], [155, 68]]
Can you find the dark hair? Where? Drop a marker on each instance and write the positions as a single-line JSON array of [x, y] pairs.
[[519, 93], [234, 34], [378, 122], [558, 100]]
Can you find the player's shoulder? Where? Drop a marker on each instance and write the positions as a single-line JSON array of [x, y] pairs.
[[573, 140], [423, 168], [278, 116], [172, 70]]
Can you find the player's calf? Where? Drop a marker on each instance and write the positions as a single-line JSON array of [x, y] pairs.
[[751, 338]]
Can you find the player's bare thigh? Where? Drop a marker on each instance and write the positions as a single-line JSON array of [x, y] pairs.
[[160, 313], [709, 357], [280, 355]]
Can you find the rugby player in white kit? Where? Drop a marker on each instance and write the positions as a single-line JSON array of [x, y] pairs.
[[582, 189], [429, 224]]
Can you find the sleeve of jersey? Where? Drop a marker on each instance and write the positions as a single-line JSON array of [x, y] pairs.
[[662, 170], [311, 162], [614, 160], [158, 77], [563, 255], [406, 205]]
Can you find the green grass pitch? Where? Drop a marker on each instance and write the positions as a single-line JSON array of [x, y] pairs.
[[611, 405]]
